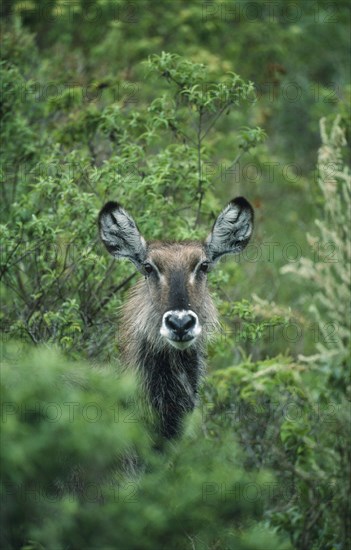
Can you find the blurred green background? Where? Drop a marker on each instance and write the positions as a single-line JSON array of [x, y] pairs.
[[173, 108]]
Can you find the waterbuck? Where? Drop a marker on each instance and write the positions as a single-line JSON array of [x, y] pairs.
[[170, 312]]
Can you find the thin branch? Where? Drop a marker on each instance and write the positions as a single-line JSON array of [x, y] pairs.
[[181, 86], [104, 279], [214, 120], [6, 264], [15, 290], [237, 158], [177, 132], [113, 291], [199, 170]]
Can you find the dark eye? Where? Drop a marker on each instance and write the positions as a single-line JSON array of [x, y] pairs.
[[204, 267], [148, 267]]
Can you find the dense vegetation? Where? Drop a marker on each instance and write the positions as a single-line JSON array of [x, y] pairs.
[[173, 109]]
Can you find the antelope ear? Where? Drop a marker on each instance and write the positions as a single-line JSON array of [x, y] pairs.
[[231, 231], [120, 234]]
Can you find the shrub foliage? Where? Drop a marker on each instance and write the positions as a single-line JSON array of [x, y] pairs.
[[264, 462]]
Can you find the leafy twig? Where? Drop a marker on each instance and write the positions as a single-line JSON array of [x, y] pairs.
[[200, 190], [113, 291]]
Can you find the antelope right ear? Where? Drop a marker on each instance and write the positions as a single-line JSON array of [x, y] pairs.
[[231, 231], [120, 234]]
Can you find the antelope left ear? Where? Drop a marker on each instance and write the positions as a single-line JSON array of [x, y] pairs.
[[231, 231], [120, 234]]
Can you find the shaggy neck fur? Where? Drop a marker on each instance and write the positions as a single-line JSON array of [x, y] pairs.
[[171, 379]]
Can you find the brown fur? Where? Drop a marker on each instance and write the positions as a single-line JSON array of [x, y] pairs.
[[175, 393], [142, 314], [170, 314]]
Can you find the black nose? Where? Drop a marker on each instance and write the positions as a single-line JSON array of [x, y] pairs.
[[180, 325]]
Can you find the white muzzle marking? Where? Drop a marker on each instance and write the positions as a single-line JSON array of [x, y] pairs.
[[180, 335]]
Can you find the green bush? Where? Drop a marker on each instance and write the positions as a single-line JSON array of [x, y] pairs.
[[294, 416], [300, 432], [95, 106], [70, 434], [60, 287], [330, 270]]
